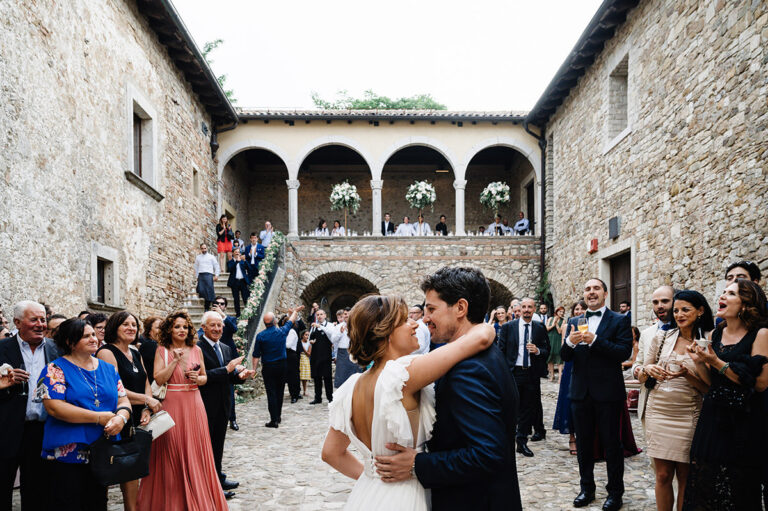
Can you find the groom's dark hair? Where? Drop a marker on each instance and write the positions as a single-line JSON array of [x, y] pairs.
[[451, 284]]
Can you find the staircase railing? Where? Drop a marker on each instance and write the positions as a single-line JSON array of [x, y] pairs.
[[248, 323]]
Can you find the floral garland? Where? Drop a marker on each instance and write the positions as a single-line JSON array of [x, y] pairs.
[[494, 195], [421, 194], [345, 196], [259, 285]]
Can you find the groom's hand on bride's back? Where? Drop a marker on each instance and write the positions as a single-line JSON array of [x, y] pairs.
[[398, 467]]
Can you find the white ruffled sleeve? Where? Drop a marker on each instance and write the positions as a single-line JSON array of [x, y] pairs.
[[391, 409], [340, 409]]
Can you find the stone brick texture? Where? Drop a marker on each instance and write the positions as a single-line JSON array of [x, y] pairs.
[[64, 70], [689, 182], [327, 268]]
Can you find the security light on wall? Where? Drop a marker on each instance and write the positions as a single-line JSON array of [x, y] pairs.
[[441, 170]]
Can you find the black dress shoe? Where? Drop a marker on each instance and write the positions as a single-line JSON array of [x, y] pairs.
[[294, 399], [583, 499], [229, 485], [316, 401], [229, 494], [299, 397], [233, 426], [537, 437], [279, 420], [612, 504], [523, 449], [270, 424]]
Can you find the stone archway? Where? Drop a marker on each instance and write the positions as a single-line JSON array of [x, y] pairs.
[[335, 290], [500, 294]]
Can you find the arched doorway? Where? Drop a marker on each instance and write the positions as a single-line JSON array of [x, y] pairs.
[[336, 290], [418, 163], [321, 169], [254, 190], [500, 163], [500, 294]]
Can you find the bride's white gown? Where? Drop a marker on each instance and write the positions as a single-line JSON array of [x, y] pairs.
[[390, 425]]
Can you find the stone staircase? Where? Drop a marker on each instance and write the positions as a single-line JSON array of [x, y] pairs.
[[196, 306]]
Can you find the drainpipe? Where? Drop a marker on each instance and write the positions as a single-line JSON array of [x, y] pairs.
[[543, 148], [215, 138]]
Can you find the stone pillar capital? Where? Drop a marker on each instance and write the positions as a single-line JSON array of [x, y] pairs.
[[293, 184], [460, 184], [377, 184]]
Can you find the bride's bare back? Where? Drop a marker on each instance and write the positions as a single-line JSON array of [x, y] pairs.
[[363, 403]]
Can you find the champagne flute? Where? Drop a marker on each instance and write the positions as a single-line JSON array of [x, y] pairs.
[[582, 325]]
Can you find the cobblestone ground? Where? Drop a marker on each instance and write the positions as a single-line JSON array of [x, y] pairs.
[[281, 468]]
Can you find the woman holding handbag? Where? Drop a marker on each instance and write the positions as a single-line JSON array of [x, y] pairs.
[[182, 474], [121, 331], [84, 399]]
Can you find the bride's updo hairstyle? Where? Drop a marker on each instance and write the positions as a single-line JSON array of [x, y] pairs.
[[371, 321]]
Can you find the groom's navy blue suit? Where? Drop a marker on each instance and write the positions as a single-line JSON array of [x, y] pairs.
[[470, 463]]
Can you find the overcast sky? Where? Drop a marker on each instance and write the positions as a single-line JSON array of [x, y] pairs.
[[476, 55]]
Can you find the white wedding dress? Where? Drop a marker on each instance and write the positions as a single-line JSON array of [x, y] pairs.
[[391, 424]]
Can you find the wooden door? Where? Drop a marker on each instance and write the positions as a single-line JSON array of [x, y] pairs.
[[621, 280]]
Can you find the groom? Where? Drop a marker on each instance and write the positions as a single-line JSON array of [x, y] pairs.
[[470, 463]]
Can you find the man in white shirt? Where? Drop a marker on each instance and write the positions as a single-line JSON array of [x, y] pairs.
[[522, 226], [21, 427], [496, 228], [405, 229], [266, 235], [542, 315], [207, 270], [344, 366], [661, 300], [421, 228], [416, 313]]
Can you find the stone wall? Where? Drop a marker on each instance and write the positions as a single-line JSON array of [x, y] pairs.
[[319, 268], [688, 179], [69, 72]]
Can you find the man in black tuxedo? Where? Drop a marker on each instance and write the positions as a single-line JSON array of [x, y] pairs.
[[21, 418], [320, 334], [254, 253], [597, 390], [525, 345], [222, 370], [387, 227], [470, 462], [239, 279]]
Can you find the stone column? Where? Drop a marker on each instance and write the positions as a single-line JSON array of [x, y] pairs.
[[293, 207], [376, 185], [460, 186]]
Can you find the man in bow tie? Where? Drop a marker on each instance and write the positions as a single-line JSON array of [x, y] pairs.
[[597, 390]]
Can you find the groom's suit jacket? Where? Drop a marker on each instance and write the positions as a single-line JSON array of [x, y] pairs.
[[470, 463], [597, 368]]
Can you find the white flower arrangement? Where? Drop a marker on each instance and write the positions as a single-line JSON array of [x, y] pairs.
[[421, 194], [494, 195], [259, 286], [345, 196]]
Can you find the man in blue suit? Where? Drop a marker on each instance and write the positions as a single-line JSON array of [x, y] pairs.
[[597, 390], [254, 253], [470, 463], [239, 279]]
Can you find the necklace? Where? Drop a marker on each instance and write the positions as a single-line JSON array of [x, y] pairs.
[[94, 389]]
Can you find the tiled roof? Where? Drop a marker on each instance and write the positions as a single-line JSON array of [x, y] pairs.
[[378, 115], [173, 34], [609, 16]]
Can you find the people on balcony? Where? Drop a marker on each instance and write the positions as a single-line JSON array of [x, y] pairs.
[[421, 228], [387, 227], [522, 226], [441, 229], [405, 229], [496, 228], [338, 229], [322, 228]]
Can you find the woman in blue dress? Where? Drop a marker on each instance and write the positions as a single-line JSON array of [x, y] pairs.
[[84, 399], [563, 418]]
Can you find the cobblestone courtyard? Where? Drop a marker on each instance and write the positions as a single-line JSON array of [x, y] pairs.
[[281, 468]]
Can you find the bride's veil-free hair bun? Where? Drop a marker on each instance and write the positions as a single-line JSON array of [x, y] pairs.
[[371, 321]]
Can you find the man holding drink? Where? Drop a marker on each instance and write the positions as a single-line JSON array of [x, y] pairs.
[[597, 343]]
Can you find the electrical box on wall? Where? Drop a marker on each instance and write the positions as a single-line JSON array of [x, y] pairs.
[[592, 246], [613, 228]]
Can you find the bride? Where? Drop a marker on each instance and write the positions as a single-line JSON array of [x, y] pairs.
[[392, 402]]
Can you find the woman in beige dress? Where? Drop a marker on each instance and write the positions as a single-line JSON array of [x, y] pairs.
[[674, 403]]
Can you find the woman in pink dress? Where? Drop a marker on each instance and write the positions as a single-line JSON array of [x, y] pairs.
[[182, 474]]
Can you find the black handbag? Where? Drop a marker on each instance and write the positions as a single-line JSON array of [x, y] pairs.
[[121, 461]]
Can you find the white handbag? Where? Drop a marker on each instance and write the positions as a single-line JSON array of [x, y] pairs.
[[159, 424], [158, 391]]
